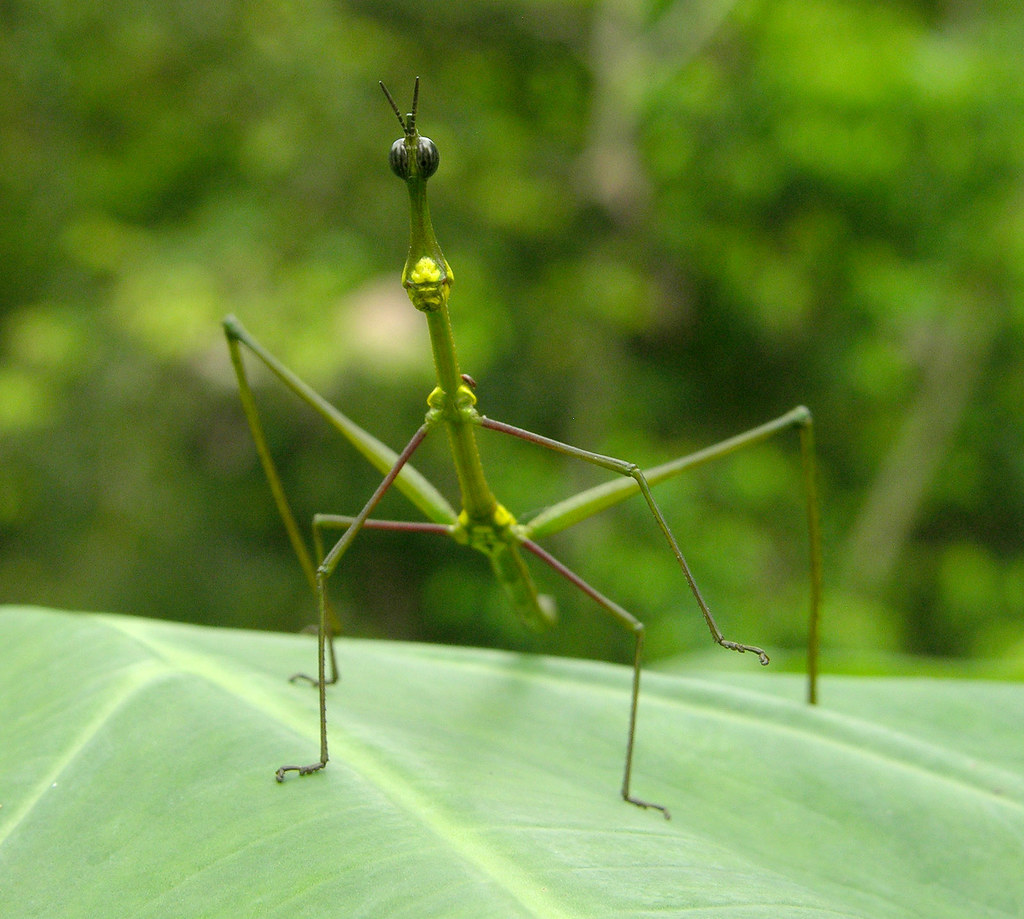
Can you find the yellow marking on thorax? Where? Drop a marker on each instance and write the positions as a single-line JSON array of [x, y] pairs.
[[425, 271], [427, 284]]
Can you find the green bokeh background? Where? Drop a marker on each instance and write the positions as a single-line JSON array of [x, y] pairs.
[[668, 222]]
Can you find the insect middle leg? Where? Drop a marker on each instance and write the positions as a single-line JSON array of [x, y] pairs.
[[633, 471], [623, 618], [578, 507], [636, 628], [324, 522]]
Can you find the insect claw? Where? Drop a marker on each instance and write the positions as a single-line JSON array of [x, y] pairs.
[[301, 770], [645, 805], [736, 646]]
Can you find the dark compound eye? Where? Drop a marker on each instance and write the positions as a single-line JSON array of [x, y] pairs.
[[398, 160], [427, 158]]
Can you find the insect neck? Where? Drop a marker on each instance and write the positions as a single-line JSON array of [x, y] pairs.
[[428, 279]]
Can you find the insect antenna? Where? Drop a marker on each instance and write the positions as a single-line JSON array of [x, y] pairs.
[[408, 123]]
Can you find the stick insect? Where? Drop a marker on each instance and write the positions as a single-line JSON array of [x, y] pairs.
[[483, 523]]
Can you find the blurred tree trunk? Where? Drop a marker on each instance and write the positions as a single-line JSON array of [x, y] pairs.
[[953, 348]]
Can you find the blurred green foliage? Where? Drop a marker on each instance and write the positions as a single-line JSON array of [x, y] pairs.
[[668, 221]]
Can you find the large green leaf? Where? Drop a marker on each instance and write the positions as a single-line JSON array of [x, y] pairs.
[[137, 763]]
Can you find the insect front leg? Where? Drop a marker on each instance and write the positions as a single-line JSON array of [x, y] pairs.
[[324, 570]]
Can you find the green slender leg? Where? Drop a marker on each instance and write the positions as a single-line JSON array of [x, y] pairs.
[[814, 538], [263, 451], [633, 471], [235, 334], [323, 572], [636, 628], [322, 522], [420, 491], [586, 503], [343, 522]]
